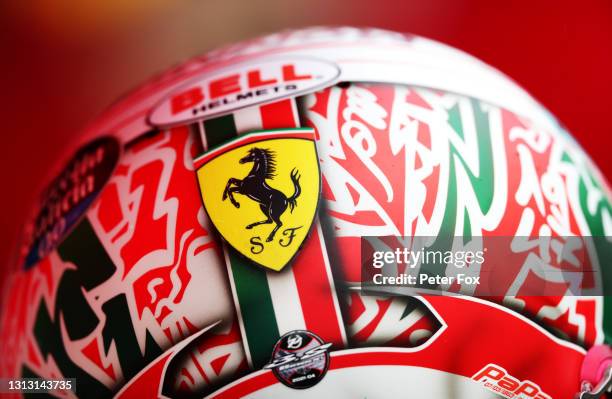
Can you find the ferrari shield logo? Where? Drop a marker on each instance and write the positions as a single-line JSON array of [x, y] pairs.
[[261, 192]]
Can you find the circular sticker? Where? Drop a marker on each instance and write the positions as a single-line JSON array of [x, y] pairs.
[[300, 359]]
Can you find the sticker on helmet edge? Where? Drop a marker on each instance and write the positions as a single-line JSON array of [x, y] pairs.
[[299, 359], [69, 196]]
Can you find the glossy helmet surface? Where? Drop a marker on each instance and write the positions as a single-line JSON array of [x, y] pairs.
[[121, 262]]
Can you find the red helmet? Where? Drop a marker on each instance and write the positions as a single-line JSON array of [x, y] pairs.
[[209, 234]]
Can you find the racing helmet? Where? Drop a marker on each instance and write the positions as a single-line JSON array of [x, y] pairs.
[[212, 233]]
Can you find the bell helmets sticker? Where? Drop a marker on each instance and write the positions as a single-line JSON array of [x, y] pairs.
[[261, 192], [241, 86]]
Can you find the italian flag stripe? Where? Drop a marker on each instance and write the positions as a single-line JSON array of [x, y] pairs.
[[221, 129], [317, 291], [279, 115], [255, 308], [310, 272], [302, 296]]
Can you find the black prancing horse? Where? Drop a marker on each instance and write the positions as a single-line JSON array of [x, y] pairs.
[[272, 202]]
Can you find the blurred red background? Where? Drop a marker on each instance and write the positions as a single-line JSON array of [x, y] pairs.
[[64, 61]]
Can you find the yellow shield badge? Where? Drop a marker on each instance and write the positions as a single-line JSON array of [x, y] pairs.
[[261, 192]]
